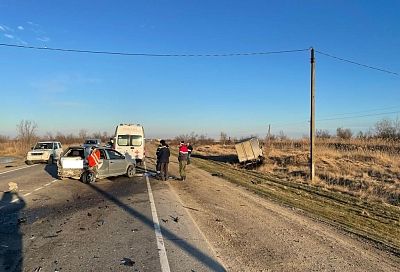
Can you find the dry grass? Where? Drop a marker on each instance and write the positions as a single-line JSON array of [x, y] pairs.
[[361, 168], [12, 148]]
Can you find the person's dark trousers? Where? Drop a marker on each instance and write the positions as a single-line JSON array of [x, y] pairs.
[[158, 167], [164, 170]]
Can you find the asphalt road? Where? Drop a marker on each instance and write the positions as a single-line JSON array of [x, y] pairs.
[[111, 225]]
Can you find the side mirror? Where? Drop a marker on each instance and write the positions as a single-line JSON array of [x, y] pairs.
[[123, 156]]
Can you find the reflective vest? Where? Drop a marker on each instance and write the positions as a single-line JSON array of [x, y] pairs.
[[94, 158]]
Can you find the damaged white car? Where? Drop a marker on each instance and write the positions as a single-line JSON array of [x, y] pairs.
[[48, 152], [74, 164]]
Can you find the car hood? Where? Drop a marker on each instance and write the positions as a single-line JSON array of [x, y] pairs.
[[40, 150]]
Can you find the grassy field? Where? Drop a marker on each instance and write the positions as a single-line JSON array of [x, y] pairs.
[[365, 169], [357, 186]]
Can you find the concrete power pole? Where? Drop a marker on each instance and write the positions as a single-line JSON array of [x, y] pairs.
[[312, 117]]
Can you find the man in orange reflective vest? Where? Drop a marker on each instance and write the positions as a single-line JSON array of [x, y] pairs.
[[94, 159]]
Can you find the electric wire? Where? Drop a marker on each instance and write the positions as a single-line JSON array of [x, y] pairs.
[[357, 63], [334, 119], [151, 54]]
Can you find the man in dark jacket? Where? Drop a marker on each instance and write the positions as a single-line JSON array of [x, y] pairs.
[[163, 159]]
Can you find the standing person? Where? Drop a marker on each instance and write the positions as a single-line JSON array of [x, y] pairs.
[[190, 149], [163, 159], [182, 158], [158, 160]]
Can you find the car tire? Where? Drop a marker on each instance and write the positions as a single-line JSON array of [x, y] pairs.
[[88, 177], [131, 171], [29, 162], [50, 160]]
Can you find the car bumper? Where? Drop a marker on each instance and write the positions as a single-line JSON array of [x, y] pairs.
[[70, 173]]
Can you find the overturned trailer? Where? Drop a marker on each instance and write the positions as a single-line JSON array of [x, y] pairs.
[[249, 152]]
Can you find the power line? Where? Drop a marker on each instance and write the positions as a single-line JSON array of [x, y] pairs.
[[363, 111], [150, 54], [359, 64], [337, 118], [359, 116]]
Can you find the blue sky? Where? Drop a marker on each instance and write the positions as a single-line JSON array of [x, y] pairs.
[[240, 95]]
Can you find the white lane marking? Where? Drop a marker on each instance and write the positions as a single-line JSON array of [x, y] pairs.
[[160, 240], [27, 194], [18, 169]]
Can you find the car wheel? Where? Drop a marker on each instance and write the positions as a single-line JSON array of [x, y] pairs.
[[50, 161], [29, 162], [88, 177], [131, 171]]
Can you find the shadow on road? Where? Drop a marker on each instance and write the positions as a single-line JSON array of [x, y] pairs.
[[209, 262], [51, 169], [11, 238]]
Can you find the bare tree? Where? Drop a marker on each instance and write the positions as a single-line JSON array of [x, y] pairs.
[[344, 133], [385, 129], [49, 135], [223, 137], [97, 135], [26, 133], [323, 134], [83, 134], [4, 139]]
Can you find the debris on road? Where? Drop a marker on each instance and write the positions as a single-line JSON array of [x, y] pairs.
[[22, 220], [164, 220], [50, 236], [13, 187], [37, 269], [217, 174], [58, 231], [176, 219], [89, 214], [190, 208], [127, 262], [100, 222]]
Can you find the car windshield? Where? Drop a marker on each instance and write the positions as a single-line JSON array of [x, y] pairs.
[[75, 152], [44, 146], [129, 140]]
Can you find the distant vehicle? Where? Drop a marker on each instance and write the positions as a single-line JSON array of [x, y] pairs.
[[92, 142], [44, 152], [73, 164], [249, 151], [129, 140]]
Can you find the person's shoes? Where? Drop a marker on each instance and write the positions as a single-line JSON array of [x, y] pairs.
[[184, 178]]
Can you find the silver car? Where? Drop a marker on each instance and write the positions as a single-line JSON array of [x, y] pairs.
[[73, 164]]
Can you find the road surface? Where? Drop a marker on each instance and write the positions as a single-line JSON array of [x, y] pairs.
[[54, 225]]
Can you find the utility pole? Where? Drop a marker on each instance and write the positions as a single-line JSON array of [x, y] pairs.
[[312, 117]]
